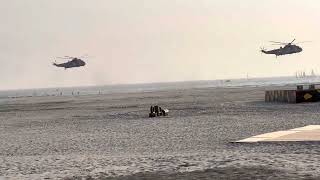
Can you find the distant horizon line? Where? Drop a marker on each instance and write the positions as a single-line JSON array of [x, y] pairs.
[[141, 83]]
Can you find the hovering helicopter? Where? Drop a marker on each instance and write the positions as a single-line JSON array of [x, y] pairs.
[[289, 48], [74, 62]]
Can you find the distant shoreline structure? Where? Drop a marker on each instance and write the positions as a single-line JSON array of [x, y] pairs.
[[154, 87], [303, 74], [250, 78]]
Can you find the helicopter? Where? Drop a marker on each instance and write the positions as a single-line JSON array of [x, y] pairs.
[[73, 62], [289, 48]]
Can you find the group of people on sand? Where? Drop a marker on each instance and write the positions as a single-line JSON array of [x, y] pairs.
[[158, 111]]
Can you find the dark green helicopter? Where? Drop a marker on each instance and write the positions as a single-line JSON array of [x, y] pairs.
[[288, 48], [73, 62]]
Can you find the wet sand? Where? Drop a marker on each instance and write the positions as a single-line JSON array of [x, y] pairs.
[[111, 136]]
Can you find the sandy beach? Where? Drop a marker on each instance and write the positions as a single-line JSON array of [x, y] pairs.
[[111, 137]]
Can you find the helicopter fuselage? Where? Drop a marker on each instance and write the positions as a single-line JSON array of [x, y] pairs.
[[75, 62], [287, 49]]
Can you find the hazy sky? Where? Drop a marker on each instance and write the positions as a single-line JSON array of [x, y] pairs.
[[137, 41]]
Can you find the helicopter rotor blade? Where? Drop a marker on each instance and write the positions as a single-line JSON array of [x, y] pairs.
[[303, 42], [62, 58], [292, 41], [277, 42], [69, 57], [85, 56]]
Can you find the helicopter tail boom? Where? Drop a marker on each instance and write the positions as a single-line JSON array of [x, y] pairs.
[[263, 50], [58, 65]]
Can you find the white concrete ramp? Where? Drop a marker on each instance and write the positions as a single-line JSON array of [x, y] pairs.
[[306, 133]]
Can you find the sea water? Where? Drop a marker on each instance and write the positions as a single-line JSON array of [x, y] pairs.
[[151, 87]]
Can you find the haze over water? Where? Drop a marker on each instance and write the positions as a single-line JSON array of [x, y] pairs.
[[154, 87]]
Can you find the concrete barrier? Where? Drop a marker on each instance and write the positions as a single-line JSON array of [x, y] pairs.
[[288, 96], [293, 96]]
